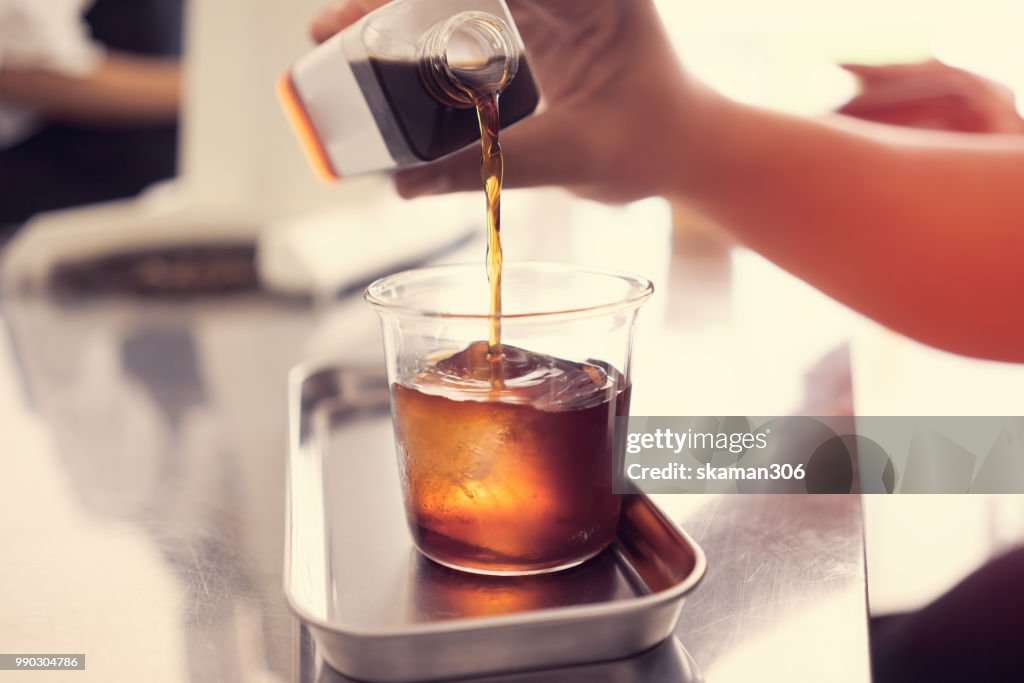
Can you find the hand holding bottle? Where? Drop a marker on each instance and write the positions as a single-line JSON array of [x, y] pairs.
[[613, 89]]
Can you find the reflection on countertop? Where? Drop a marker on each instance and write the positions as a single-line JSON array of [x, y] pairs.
[[165, 432]]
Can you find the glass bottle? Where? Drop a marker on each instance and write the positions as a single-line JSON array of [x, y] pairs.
[[394, 89]]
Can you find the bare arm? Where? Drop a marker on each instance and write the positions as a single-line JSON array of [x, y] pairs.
[[923, 232], [123, 90]]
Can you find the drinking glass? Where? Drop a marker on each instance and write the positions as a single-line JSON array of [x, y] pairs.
[[505, 453]]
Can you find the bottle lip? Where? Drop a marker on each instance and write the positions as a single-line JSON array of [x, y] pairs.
[[438, 73]]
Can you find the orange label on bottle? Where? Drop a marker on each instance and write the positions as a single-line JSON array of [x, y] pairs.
[[304, 130]]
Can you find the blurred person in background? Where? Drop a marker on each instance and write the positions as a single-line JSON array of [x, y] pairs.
[[89, 98], [922, 230]]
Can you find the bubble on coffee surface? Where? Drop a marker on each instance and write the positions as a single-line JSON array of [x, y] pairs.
[[539, 380]]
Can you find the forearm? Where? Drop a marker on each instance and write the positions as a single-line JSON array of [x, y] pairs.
[[123, 90], [924, 234]]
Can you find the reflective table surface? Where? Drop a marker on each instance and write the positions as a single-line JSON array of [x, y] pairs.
[[143, 448]]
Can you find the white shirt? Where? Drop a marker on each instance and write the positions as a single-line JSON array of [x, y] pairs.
[[51, 34]]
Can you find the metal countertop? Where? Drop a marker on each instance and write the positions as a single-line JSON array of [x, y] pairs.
[[142, 485]]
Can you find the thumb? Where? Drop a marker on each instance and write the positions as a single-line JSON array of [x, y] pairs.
[[339, 15]]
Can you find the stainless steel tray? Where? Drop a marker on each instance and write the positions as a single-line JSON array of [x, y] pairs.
[[378, 611]]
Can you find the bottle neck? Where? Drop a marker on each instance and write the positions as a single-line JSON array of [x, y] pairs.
[[469, 56]]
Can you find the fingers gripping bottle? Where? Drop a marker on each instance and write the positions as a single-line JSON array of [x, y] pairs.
[[392, 90]]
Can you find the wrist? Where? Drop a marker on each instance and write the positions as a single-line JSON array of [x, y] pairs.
[[694, 157]]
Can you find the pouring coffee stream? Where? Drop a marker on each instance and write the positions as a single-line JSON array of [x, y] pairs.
[[492, 170], [479, 58]]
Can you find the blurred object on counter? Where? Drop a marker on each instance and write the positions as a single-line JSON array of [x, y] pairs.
[[142, 247], [173, 272], [333, 252], [153, 247], [90, 93], [932, 95]]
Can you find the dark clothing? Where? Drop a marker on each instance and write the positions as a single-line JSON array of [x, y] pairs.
[[148, 27], [975, 632], [64, 165]]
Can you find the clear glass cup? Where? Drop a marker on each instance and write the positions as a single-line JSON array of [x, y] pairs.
[[506, 458]]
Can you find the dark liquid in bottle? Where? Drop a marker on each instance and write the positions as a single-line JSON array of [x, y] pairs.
[[512, 481], [432, 129]]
